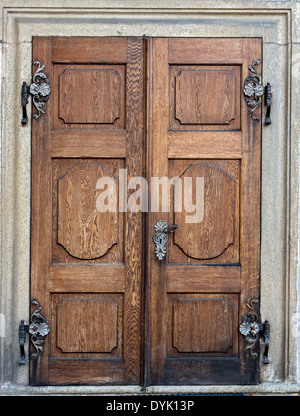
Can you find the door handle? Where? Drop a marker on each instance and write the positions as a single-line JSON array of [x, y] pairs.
[[160, 238], [268, 102]]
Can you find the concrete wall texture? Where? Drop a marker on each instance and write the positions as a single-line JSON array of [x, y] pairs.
[[278, 24]]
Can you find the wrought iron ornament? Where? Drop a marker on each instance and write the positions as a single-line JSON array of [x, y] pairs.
[[38, 329], [268, 102], [252, 329], [253, 89], [160, 238], [39, 89]]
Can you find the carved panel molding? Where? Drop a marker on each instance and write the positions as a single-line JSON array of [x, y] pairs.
[[210, 237], [94, 325], [195, 91], [202, 325], [83, 231]]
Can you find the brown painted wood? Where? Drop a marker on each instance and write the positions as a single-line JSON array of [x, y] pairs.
[[74, 278], [86, 264], [41, 215], [250, 220], [104, 85], [159, 108], [208, 144], [194, 88], [82, 229], [93, 314], [198, 293], [212, 325], [89, 94], [198, 278], [68, 50], [212, 51], [68, 143], [218, 213]]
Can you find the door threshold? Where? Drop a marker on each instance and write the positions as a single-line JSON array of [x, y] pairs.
[[10, 389]]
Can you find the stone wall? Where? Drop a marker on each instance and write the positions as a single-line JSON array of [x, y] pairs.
[[278, 24]]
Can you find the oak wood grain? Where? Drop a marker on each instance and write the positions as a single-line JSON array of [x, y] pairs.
[[201, 278], [205, 97], [86, 264], [205, 144], [179, 340], [117, 314]]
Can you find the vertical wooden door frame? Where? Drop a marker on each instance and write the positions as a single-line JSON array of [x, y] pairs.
[[50, 51], [250, 231]]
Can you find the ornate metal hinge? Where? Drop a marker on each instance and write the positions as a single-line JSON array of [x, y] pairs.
[[252, 329], [253, 90], [39, 89], [38, 329], [160, 238]]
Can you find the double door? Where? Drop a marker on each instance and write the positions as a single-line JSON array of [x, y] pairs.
[[139, 135]]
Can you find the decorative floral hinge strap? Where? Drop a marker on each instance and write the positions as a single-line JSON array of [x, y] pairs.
[[253, 90], [38, 329], [39, 89], [252, 329]]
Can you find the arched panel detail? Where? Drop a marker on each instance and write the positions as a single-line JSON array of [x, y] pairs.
[[206, 232], [84, 231]]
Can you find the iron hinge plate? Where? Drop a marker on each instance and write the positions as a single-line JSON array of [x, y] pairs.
[[39, 89], [38, 330], [252, 329], [253, 90]]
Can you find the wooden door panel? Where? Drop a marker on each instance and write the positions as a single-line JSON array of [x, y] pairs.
[[89, 94], [225, 144], [87, 260], [204, 97], [202, 325], [198, 278], [212, 370], [208, 226], [88, 325], [193, 51], [201, 131], [81, 233]]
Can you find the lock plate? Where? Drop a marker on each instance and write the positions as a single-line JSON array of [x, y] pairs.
[[160, 238]]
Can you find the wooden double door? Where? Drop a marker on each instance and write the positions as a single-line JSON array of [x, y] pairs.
[[150, 129]]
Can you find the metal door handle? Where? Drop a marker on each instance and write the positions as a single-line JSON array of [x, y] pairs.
[[268, 102], [160, 238]]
